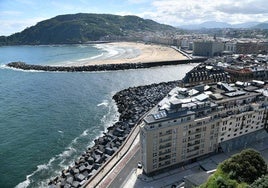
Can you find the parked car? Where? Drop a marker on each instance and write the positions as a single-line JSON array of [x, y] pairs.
[[139, 165]]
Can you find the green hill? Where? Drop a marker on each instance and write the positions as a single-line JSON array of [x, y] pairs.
[[80, 28]]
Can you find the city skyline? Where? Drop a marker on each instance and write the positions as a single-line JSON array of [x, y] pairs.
[[17, 15]]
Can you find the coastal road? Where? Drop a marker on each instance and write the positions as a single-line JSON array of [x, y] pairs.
[[109, 172], [126, 170]]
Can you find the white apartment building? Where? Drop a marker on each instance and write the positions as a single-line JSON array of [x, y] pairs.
[[193, 122]]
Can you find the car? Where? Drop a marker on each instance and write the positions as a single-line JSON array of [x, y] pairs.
[[139, 165]]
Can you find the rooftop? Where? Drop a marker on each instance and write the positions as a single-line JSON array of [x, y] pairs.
[[184, 102]]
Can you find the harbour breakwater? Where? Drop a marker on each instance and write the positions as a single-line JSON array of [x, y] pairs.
[[104, 67], [132, 104]]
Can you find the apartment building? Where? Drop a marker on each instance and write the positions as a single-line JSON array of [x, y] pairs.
[[207, 48], [193, 122]]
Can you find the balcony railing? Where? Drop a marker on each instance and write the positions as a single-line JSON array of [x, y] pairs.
[[165, 146], [194, 138]]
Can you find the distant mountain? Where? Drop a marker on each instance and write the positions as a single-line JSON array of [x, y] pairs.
[[212, 24], [245, 25], [220, 25], [261, 26], [80, 28], [205, 25]]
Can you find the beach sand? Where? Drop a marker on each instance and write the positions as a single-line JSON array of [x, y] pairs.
[[138, 53]]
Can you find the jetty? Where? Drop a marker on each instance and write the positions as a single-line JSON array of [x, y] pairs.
[[102, 67]]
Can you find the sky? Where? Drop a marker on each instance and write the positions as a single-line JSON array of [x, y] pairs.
[[16, 15]]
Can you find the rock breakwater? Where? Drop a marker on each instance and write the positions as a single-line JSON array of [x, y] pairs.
[[132, 104], [104, 67]]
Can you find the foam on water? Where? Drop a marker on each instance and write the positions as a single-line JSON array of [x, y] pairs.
[[68, 140], [28, 181], [103, 103], [61, 161]]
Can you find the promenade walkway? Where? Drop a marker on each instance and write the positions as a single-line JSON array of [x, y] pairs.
[[108, 171]]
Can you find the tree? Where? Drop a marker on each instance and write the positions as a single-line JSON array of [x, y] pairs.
[[246, 166], [260, 183]]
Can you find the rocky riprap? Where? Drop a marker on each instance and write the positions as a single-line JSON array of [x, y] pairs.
[[132, 104], [104, 67]]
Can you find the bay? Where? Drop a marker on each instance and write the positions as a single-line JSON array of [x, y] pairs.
[[47, 119]]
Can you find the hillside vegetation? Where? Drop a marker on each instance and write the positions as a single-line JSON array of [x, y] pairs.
[[243, 170], [80, 28]]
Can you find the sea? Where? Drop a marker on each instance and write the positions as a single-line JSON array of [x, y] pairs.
[[48, 119]]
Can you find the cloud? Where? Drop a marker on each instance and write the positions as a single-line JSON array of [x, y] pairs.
[[138, 1], [178, 12], [245, 7], [172, 12], [10, 13], [8, 27]]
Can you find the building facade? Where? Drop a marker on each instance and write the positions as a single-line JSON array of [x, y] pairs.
[[230, 46], [207, 48], [251, 47], [193, 122]]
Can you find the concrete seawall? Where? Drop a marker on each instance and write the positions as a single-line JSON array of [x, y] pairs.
[[105, 67]]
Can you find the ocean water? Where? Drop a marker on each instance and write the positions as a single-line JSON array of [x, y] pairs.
[[47, 119]]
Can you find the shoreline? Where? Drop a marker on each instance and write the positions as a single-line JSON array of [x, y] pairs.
[[119, 56], [135, 52], [132, 104]]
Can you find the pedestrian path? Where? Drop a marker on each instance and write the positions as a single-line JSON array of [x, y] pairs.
[[110, 169]]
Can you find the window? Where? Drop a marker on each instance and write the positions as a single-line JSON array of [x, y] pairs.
[[168, 131]]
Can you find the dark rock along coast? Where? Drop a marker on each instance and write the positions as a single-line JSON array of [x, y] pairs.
[[132, 104], [104, 67]]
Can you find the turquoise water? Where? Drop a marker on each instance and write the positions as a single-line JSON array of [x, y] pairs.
[[48, 119]]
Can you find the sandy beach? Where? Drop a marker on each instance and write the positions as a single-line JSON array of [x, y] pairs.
[[137, 53]]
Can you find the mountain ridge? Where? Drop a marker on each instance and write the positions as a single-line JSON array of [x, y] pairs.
[[82, 28], [221, 25]]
